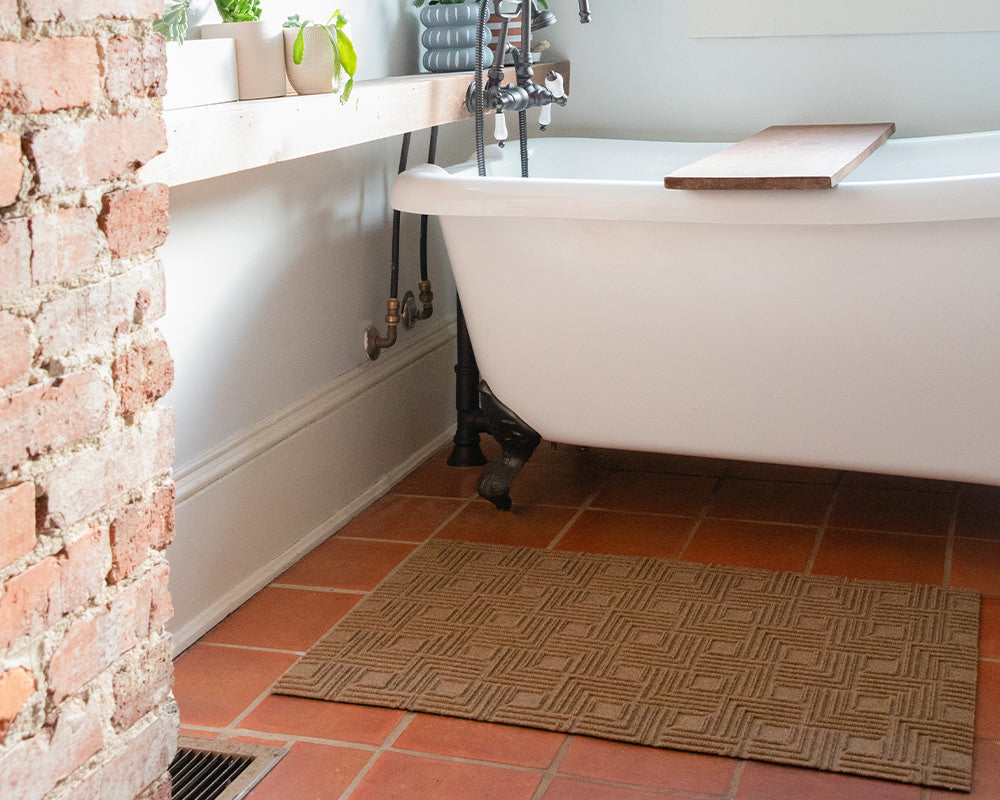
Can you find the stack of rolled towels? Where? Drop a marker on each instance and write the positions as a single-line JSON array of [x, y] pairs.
[[450, 37]]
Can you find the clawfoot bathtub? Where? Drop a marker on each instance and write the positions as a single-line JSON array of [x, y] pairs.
[[856, 328]]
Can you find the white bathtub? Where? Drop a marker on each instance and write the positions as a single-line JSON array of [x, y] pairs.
[[856, 328]]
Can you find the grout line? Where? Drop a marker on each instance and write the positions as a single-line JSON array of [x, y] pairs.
[[565, 528], [254, 648], [553, 768], [702, 515], [823, 525], [387, 743], [734, 787], [949, 547], [327, 589]]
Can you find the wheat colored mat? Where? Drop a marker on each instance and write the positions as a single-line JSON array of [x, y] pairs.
[[864, 677]]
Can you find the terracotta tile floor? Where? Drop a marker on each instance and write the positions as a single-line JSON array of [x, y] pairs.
[[810, 520]]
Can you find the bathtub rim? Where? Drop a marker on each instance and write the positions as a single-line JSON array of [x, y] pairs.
[[459, 191]]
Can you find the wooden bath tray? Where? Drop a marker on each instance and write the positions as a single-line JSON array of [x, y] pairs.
[[785, 157]]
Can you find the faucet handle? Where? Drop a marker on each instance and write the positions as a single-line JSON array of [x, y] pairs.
[[500, 128], [554, 83]]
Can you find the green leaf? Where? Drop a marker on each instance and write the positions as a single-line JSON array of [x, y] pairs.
[[348, 57], [299, 46], [347, 90]]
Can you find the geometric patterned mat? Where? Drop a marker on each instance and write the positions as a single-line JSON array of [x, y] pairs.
[[864, 677]]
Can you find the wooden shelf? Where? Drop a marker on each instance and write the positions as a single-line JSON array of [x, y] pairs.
[[209, 141]]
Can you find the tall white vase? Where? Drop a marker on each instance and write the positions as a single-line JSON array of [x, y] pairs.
[[260, 56]]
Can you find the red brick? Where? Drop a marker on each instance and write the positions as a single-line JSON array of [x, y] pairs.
[[75, 10], [98, 312], [138, 530], [46, 416], [93, 477], [30, 602], [83, 569], [142, 375], [11, 167], [16, 687], [15, 348], [134, 68], [80, 657], [81, 154], [15, 255], [161, 605], [49, 74], [17, 522], [142, 761], [135, 220], [64, 243], [141, 681], [94, 642], [33, 766]]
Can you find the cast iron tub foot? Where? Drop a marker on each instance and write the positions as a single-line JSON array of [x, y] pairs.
[[517, 440]]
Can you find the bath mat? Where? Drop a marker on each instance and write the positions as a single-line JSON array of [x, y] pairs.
[[864, 677]]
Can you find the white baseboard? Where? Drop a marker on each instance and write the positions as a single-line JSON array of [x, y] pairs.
[[250, 507]]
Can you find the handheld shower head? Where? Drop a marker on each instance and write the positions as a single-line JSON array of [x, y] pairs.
[[584, 10]]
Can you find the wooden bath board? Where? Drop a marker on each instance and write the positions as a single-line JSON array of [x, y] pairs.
[[785, 157]]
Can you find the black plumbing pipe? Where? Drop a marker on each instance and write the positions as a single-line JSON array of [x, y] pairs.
[[404, 152], [431, 156]]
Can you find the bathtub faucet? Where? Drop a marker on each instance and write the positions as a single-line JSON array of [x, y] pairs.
[[525, 93], [584, 10]]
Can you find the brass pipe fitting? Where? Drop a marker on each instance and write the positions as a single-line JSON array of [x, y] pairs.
[[426, 298], [374, 343]]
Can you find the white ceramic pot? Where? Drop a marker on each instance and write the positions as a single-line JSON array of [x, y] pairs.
[[260, 56], [315, 74], [199, 72]]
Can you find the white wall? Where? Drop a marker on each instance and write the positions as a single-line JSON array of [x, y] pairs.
[[637, 74], [284, 429]]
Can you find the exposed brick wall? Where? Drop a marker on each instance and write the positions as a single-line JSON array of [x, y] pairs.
[[86, 499]]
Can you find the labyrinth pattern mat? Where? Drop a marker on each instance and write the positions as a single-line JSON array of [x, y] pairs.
[[863, 677]]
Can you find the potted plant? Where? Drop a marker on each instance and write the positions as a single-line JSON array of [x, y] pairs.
[[316, 55], [260, 47], [199, 71]]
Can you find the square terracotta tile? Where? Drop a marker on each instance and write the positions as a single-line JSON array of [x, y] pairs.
[[436, 479], [772, 501], [653, 492], [555, 484], [401, 518], [401, 776], [573, 789], [785, 548], [989, 627], [282, 619], [213, 685], [318, 719], [312, 772], [975, 563], [651, 767], [897, 510], [612, 532], [769, 782], [352, 564], [988, 701], [978, 514], [480, 741], [523, 526], [881, 556]]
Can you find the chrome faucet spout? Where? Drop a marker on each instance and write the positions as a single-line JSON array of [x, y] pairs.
[[584, 10]]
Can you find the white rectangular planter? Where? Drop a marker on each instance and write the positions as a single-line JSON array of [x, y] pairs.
[[200, 72]]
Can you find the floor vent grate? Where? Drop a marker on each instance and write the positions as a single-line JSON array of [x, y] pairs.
[[204, 769]]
